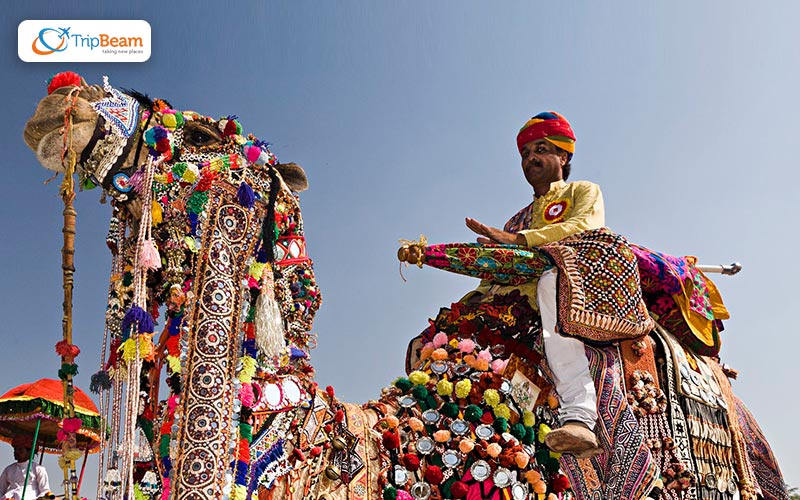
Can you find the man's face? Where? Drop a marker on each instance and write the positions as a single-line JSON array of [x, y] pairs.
[[542, 162], [22, 453]]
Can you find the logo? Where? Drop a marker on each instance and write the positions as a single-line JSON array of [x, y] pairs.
[[554, 211], [50, 40], [84, 41]]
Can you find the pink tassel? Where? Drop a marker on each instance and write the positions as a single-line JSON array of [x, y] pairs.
[[165, 489], [246, 395], [149, 258]]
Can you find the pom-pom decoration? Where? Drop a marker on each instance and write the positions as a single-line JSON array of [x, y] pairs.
[[433, 474], [63, 79], [390, 440]]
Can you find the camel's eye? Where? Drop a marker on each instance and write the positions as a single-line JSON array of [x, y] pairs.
[[198, 134]]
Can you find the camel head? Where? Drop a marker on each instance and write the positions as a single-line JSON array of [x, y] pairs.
[[112, 132]]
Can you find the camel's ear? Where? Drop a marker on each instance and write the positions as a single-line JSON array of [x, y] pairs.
[[294, 176]]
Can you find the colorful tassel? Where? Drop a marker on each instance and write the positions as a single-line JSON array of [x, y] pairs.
[[149, 258], [156, 214], [247, 198], [100, 382], [138, 316], [269, 326]]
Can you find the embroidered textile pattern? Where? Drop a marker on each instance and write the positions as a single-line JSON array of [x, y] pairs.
[[599, 297], [683, 300], [765, 468], [682, 463], [508, 264], [626, 469], [706, 417], [208, 394]]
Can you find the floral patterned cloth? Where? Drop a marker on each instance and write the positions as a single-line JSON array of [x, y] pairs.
[[506, 264], [684, 300]]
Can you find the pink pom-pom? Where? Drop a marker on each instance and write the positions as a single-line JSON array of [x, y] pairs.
[[252, 153], [252, 283], [172, 402], [246, 395], [499, 365], [71, 424], [466, 346], [404, 495], [485, 355], [165, 488], [439, 339]]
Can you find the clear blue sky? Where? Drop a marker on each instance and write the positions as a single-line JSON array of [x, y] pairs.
[[404, 116]]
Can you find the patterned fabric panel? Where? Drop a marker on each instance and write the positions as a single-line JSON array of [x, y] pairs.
[[765, 467], [507, 264], [685, 301], [599, 295]]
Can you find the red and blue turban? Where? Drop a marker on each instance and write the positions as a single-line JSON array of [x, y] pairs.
[[550, 126]]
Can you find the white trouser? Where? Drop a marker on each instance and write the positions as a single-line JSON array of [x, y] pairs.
[[567, 359]]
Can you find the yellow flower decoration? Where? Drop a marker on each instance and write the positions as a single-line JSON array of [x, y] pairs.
[[257, 270], [419, 378], [502, 410], [248, 370], [463, 387], [492, 397], [528, 418], [544, 430], [174, 364], [444, 387]]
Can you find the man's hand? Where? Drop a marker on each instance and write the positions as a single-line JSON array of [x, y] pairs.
[[494, 235]]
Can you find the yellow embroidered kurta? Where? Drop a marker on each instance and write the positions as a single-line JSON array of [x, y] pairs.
[[566, 209]]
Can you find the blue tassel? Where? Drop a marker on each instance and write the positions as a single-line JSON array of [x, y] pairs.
[[249, 348], [261, 256], [241, 472], [274, 453], [139, 317], [298, 353], [193, 223], [247, 198]]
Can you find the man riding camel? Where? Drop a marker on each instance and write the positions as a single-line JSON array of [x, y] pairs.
[[12, 480], [559, 209]]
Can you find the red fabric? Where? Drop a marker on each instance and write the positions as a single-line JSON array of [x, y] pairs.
[[543, 129]]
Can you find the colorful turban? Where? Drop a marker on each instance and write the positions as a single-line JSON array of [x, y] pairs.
[[22, 441], [549, 126]]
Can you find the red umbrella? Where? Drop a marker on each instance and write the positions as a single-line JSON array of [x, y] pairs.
[[24, 405]]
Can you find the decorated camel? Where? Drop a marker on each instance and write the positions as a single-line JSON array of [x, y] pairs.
[[207, 236]]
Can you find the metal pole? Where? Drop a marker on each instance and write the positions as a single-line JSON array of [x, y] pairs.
[[729, 270], [30, 458]]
